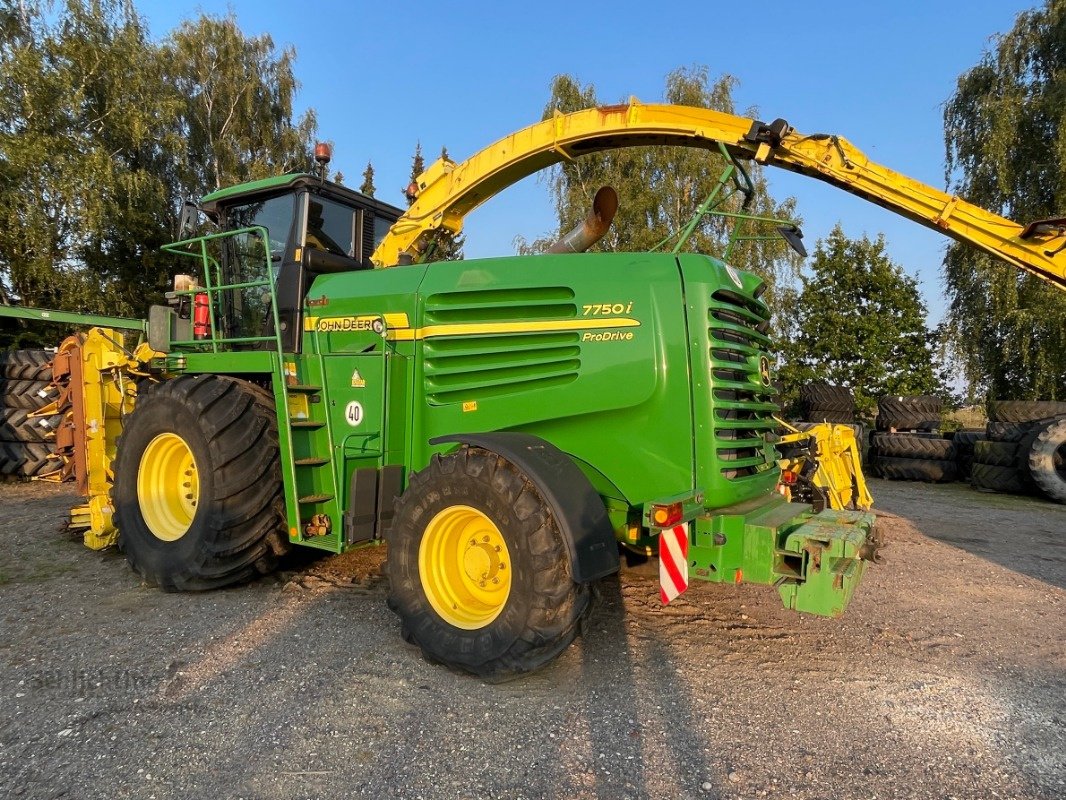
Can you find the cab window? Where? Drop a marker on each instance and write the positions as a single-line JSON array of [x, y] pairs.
[[275, 214], [332, 227]]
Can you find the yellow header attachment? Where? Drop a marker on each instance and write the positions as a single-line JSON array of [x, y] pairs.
[[447, 191]]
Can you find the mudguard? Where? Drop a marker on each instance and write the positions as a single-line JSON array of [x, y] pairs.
[[580, 512]]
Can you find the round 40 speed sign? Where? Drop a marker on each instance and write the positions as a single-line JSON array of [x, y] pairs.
[[353, 412]]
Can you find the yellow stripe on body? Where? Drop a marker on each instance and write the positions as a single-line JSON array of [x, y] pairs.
[[488, 328], [392, 320]]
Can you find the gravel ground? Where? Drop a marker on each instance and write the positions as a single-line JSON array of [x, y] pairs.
[[947, 678]]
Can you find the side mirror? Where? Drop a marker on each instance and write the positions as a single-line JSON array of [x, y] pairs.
[[794, 236], [190, 211]]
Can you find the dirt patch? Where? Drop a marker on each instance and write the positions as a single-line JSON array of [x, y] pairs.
[[947, 678]]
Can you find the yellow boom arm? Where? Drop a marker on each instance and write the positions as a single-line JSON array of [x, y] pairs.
[[447, 191]]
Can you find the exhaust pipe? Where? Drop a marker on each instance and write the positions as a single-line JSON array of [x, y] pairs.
[[593, 227]]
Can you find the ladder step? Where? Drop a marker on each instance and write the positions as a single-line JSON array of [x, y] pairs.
[[311, 462], [306, 423], [303, 388], [311, 499]]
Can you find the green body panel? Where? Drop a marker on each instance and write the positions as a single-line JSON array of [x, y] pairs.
[[650, 371], [605, 388], [571, 348]]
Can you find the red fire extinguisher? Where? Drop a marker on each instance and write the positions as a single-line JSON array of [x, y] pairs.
[[201, 316]]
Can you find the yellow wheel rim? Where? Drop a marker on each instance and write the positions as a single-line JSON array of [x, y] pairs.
[[465, 567], [168, 487]]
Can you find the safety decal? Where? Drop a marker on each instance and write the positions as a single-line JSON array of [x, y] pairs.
[[673, 562]]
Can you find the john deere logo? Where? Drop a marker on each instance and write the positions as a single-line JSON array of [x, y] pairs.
[[764, 370]]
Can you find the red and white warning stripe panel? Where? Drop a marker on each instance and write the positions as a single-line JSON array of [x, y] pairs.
[[673, 562]]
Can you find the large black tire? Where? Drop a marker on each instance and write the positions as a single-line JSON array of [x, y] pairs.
[[920, 412], [824, 395], [904, 445], [1025, 410], [28, 395], [26, 459], [996, 454], [236, 527], [1047, 460], [540, 613], [26, 365], [989, 477], [16, 425], [967, 439], [964, 444], [1008, 431], [917, 469], [822, 402]]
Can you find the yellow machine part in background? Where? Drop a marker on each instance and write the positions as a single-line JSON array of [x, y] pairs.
[[823, 459], [97, 378]]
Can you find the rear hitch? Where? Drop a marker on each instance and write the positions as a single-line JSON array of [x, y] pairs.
[[871, 548]]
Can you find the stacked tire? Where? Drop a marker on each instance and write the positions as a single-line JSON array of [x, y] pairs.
[[1024, 451], [908, 413], [965, 441], [27, 436], [914, 457], [822, 402], [906, 445]]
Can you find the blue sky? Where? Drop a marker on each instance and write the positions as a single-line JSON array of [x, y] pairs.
[[384, 75]]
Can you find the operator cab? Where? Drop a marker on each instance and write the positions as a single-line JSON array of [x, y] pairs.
[[313, 227]]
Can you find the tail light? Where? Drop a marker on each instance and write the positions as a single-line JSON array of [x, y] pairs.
[[666, 516]]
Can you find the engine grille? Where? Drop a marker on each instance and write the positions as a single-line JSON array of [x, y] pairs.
[[737, 327], [466, 366]]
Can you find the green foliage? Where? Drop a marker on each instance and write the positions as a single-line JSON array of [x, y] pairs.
[[367, 186], [103, 132], [660, 188], [859, 322], [1005, 133], [238, 119]]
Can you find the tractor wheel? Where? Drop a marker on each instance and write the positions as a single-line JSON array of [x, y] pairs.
[[26, 365], [996, 454], [917, 469], [1008, 431], [906, 445], [26, 459], [921, 412], [16, 425], [1047, 460], [992, 478], [821, 402], [478, 570], [198, 492], [1025, 410], [28, 395]]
